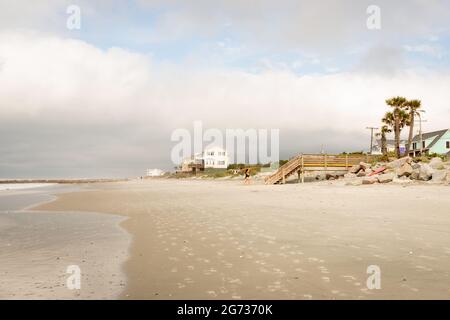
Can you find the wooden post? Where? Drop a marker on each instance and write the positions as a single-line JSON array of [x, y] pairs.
[[283, 177], [346, 161], [303, 170], [298, 176], [325, 161]]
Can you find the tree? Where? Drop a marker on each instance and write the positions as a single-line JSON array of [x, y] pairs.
[[383, 131], [398, 105], [412, 106], [389, 124]]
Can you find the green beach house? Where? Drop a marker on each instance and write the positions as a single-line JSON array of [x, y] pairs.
[[432, 142]]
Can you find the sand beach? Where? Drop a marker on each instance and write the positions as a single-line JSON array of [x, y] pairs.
[[193, 239]]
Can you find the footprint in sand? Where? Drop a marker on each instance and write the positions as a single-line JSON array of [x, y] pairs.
[[211, 293], [223, 290], [349, 278], [188, 280], [235, 281], [423, 268]]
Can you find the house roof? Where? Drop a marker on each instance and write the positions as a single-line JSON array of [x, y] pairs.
[[428, 135]]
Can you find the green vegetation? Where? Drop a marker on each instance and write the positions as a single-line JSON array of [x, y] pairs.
[[436, 155], [403, 114]]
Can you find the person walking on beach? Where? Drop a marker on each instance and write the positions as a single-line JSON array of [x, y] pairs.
[[247, 176]]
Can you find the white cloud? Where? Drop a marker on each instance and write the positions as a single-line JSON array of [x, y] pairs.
[[51, 82], [434, 51], [40, 74]]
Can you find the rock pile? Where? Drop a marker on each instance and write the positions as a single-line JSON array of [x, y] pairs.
[[402, 170]]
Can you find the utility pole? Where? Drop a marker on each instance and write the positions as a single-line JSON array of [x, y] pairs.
[[371, 137]]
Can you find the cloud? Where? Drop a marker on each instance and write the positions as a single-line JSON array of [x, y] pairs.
[[382, 60], [69, 108], [427, 49], [318, 26]]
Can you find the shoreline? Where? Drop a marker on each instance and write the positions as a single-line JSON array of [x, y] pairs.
[[38, 246], [223, 240]]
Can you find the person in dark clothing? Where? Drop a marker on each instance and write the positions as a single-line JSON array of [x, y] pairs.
[[247, 176]]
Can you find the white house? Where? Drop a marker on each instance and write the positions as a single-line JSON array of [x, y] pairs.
[[215, 157], [390, 145], [154, 172]]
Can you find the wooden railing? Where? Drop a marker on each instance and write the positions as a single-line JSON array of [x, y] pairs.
[[314, 162]]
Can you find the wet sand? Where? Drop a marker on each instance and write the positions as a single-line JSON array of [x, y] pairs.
[[36, 248], [223, 240]]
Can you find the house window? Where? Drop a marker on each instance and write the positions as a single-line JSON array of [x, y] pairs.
[[423, 144], [221, 163], [447, 144], [414, 145]]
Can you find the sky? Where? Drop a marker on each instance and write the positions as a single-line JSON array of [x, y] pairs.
[[104, 99]]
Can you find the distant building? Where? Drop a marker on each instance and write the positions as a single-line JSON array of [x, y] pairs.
[[432, 142], [154, 172], [214, 158], [192, 164], [390, 144]]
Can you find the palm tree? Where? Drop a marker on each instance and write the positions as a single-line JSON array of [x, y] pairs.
[[389, 124], [383, 131], [398, 103], [412, 106]]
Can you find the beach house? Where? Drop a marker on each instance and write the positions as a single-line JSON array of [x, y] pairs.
[[432, 142], [213, 158], [390, 144]]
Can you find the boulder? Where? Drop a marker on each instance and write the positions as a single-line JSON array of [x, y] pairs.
[[437, 163], [403, 180], [355, 182], [439, 176], [404, 171], [349, 175], [370, 180], [321, 176], [386, 178], [415, 165], [415, 174], [365, 166], [425, 172], [398, 163], [355, 169], [330, 176], [361, 173]]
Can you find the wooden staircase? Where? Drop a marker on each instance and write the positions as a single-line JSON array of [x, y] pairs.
[[287, 169], [311, 162]]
